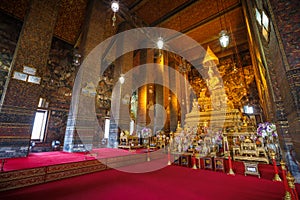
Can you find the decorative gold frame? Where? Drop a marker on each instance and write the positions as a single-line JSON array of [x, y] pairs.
[[219, 164], [208, 163], [252, 169]]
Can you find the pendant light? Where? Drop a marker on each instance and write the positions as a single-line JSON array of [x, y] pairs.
[[223, 35], [115, 8]]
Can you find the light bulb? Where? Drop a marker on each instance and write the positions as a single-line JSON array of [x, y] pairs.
[[122, 79], [115, 6], [160, 43], [224, 38]]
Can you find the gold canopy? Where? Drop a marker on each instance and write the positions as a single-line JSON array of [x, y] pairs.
[[210, 56]]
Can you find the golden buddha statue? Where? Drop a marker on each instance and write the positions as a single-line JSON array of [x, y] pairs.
[[213, 81]]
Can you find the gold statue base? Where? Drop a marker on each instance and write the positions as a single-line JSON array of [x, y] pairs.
[[277, 178]]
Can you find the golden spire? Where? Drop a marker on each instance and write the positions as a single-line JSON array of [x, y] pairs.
[[210, 56]]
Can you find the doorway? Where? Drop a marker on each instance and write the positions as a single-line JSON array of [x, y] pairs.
[[39, 125]]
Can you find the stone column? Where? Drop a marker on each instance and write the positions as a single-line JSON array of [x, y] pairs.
[[173, 99], [142, 96], [167, 94], [180, 98], [146, 56], [82, 127], [183, 99], [142, 108], [124, 64], [21, 97], [160, 92]]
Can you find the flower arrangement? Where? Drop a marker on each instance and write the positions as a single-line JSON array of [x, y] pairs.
[[183, 141], [146, 132], [198, 148], [267, 129], [218, 138]]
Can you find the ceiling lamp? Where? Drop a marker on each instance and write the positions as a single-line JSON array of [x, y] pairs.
[[122, 79], [224, 38], [76, 58], [160, 43], [223, 35], [115, 8]]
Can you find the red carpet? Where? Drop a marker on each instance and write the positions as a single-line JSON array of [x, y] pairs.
[[59, 157], [172, 182]]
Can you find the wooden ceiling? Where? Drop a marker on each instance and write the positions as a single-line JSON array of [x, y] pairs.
[[201, 20]]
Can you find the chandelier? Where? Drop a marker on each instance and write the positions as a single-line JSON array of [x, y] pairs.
[[76, 58], [224, 38], [121, 79], [115, 8], [160, 43], [223, 35]]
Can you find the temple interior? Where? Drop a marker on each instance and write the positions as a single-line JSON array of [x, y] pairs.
[[202, 84]]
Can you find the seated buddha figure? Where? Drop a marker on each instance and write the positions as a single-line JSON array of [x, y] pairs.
[[213, 81]]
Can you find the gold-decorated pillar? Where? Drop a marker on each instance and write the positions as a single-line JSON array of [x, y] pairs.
[[173, 98], [82, 126]]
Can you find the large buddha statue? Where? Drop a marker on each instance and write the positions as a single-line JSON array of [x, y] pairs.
[[214, 81], [216, 110]]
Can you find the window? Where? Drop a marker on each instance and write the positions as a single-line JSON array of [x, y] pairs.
[[258, 16], [39, 125], [264, 23], [265, 27]]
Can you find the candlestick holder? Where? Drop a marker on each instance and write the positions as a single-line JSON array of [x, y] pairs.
[[194, 161], [287, 195], [276, 176], [231, 172], [169, 156], [148, 153], [291, 183]]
